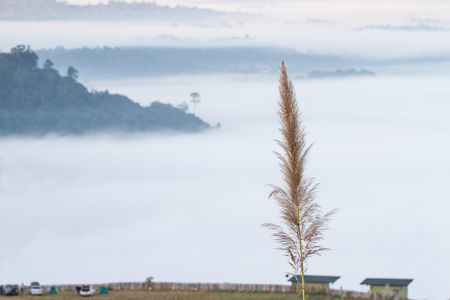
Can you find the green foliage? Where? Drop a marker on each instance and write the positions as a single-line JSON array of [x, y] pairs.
[[39, 101]]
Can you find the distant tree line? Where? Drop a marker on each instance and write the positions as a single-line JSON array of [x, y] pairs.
[[38, 101], [162, 61]]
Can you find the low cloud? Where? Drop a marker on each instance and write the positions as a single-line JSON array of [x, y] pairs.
[[419, 27]]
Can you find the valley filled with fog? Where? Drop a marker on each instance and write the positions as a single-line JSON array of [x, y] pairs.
[[105, 208], [188, 207]]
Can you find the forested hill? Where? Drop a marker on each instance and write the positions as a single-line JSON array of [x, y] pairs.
[[39, 101]]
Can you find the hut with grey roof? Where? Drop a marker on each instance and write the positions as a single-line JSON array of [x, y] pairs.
[[393, 287], [315, 281]]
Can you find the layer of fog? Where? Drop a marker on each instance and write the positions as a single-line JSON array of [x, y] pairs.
[[188, 207], [306, 38]]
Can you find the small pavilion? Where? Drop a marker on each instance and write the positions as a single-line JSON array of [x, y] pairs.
[[389, 286], [315, 281]]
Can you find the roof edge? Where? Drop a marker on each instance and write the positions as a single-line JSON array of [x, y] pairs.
[[316, 278], [386, 281]]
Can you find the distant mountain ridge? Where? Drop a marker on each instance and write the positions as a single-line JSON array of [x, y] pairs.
[[113, 11], [108, 62], [133, 61], [39, 101]]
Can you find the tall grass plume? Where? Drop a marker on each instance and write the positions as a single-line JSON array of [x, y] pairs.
[[303, 221]]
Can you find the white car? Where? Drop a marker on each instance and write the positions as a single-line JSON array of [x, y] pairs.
[[87, 290], [36, 290]]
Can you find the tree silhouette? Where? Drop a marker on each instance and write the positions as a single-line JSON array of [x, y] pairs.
[[195, 100], [48, 64], [72, 73], [18, 49]]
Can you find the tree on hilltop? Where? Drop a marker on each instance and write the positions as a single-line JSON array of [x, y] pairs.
[[72, 73], [195, 100]]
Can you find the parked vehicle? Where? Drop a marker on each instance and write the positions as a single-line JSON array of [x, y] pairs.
[[9, 289], [36, 290], [87, 290]]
